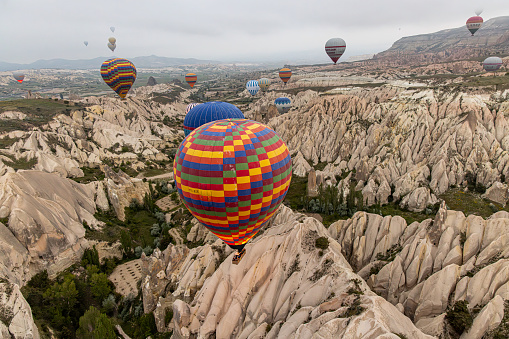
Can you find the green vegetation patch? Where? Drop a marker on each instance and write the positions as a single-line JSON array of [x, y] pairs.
[[38, 111], [89, 175], [459, 317], [21, 163], [469, 203]]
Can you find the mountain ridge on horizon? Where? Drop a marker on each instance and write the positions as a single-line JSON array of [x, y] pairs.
[[150, 61]]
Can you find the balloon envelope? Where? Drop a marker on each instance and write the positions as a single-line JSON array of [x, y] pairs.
[[252, 87], [232, 175], [119, 74], [478, 11], [474, 23], [492, 64], [112, 46], [191, 79], [112, 29], [264, 84], [86, 43], [208, 112], [283, 104], [19, 76], [285, 74], [190, 107], [112, 40], [335, 48]]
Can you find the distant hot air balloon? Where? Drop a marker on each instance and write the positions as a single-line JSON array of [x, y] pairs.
[[191, 79], [478, 11], [335, 48], [492, 64], [18, 76], [86, 43], [232, 175], [208, 112], [190, 107], [252, 87], [474, 23], [112, 46], [112, 29], [112, 40], [119, 74], [264, 84], [283, 104], [285, 74]]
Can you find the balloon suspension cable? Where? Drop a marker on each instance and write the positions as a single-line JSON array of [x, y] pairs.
[[238, 256]]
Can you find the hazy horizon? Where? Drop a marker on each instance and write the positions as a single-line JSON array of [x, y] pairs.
[[225, 31]]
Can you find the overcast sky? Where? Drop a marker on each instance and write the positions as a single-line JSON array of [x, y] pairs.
[[225, 30]]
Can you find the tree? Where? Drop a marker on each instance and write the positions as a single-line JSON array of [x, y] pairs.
[[95, 325], [62, 296], [126, 243], [90, 257], [100, 285]]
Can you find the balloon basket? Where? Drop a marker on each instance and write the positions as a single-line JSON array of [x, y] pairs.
[[238, 256]]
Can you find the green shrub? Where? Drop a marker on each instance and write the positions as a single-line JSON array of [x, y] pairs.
[[459, 317], [322, 243]]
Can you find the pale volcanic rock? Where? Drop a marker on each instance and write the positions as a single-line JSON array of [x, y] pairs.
[[16, 311], [12, 115], [498, 193], [282, 280], [488, 319], [46, 215], [419, 199], [300, 166]]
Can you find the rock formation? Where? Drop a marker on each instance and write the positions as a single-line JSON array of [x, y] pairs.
[[16, 320]]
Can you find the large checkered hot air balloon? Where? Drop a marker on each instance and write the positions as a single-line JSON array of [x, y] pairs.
[[119, 74], [191, 79], [232, 175], [208, 112], [285, 74]]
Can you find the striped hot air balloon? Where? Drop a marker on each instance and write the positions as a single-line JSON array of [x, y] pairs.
[[190, 107], [232, 175], [208, 112], [119, 74], [283, 104], [335, 48], [492, 64], [191, 79], [18, 76], [264, 84], [252, 87], [285, 74], [474, 23]]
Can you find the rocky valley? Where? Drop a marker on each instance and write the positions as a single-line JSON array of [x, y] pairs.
[[395, 224]]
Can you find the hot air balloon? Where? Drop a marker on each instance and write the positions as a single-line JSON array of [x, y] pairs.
[[208, 112], [232, 175], [191, 79], [119, 74], [18, 76], [190, 107], [474, 23], [283, 104], [285, 74], [86, 43], [478, 11], [252, 87], [335, 48], [264, 84], [112, 29], [112, 46], [112, 40], [492, 64]]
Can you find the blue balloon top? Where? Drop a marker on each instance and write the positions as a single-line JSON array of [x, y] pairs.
[[282, 100], [208, 112]]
